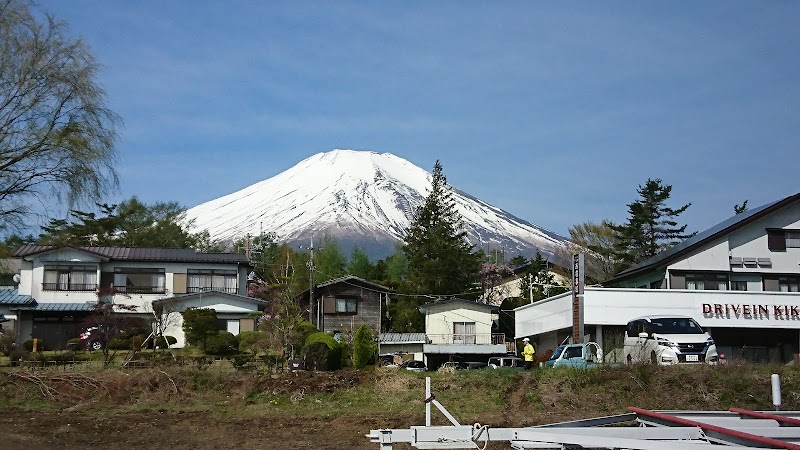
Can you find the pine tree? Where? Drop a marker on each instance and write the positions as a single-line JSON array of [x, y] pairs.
[[440, 260], [360, 265], [651, 226]]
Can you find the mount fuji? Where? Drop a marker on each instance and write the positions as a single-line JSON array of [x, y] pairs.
[[359, 198]]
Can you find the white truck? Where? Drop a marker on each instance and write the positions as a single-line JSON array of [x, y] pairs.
[[667, 339]]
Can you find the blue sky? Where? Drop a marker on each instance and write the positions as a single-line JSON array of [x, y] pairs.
[[555, 112]]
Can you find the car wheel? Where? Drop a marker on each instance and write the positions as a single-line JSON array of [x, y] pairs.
[[96, 345], [653, 358]]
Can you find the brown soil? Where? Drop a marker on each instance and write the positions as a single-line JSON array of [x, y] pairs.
[[182, 431]]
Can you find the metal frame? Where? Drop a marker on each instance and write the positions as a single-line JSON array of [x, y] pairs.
[[646, 430]]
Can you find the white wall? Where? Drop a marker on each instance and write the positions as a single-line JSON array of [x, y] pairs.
[[606, 306], [439, 319], [226, 308]]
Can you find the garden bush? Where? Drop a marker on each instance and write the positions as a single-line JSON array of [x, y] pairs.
[[74, 344], [28, 345], [248, 338], [322, 352], [223, 343], [165, 341], [364, 347], [119, 343]]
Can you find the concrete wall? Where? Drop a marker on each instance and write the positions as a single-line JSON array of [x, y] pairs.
[[439, 319]]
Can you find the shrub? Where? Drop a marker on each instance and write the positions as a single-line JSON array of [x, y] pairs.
[[364, 347], [119, 343], [7, 344], [74, 344], [28, 345], [305, 329], [247, 339], [165, 341], [17, 354], [322, 352], [222, 344], [199, 325]]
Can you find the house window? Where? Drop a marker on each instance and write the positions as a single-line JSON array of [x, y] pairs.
[[464, 332], [346, 305], [780, 240], [706, 282], [793, 239], [789, 284], [139, 281], [69, 278], [738, 285], [200, 280]]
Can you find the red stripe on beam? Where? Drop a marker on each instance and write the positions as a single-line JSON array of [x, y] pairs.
[[717, 429], [761, 415]]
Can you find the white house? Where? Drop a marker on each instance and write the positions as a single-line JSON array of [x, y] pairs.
[[59, 287], [739, 279], [458, 329]]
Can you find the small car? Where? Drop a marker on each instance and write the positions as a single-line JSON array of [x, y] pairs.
[[414, 366], [91, 339]]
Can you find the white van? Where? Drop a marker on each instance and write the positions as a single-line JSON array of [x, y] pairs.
[[668, 340]]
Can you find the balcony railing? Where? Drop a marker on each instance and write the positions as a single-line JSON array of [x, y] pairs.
[[140, 289], [193, 289], [466, 339], [69, 287]]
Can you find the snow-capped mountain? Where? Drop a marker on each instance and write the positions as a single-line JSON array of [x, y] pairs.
[[359, 198]]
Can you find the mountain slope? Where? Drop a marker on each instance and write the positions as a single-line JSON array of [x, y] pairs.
[[360, 198]]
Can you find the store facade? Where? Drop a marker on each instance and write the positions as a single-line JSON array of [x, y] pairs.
[[739, 279]]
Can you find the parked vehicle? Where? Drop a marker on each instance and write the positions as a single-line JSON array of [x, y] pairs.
[[461, 365], [581, 356], [506, 362], [414, 366], [668, 340], [92, 339]]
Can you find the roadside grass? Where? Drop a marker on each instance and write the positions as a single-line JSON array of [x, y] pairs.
[[497, 397]]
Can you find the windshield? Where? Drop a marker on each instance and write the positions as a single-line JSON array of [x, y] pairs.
[[676, 325], [557, 352]]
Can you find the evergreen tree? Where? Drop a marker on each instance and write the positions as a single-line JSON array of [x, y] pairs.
[[651, 226], [360, 265], [329, 261], [440, 260], [129, 224], [517, 261]]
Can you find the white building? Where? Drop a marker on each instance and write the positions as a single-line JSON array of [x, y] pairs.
[[461, 330], [60, 286], [739, 280]]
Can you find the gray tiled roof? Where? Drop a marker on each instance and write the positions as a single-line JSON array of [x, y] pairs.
[[706, 236], [458, 300], [210, 293], [13, 297], [57, 307], [140, 254], [401, 338], [355, 280]]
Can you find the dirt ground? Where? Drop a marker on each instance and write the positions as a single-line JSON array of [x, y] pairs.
[[187, 431]]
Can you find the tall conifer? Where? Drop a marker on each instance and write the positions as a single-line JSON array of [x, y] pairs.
[[440, 260], [651, 226]]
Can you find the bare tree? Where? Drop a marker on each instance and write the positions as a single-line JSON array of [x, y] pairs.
[[56, 134], [163, 317], [597, 240]]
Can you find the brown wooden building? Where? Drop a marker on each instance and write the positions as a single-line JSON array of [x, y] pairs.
[[344, 304]]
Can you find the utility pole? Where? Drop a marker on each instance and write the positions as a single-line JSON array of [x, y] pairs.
[[310, 266], [530, 286]]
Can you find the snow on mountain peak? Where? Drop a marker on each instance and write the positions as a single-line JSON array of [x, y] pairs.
[[362, 198]]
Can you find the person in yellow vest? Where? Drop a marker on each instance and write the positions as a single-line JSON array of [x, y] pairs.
[[527, 353]]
